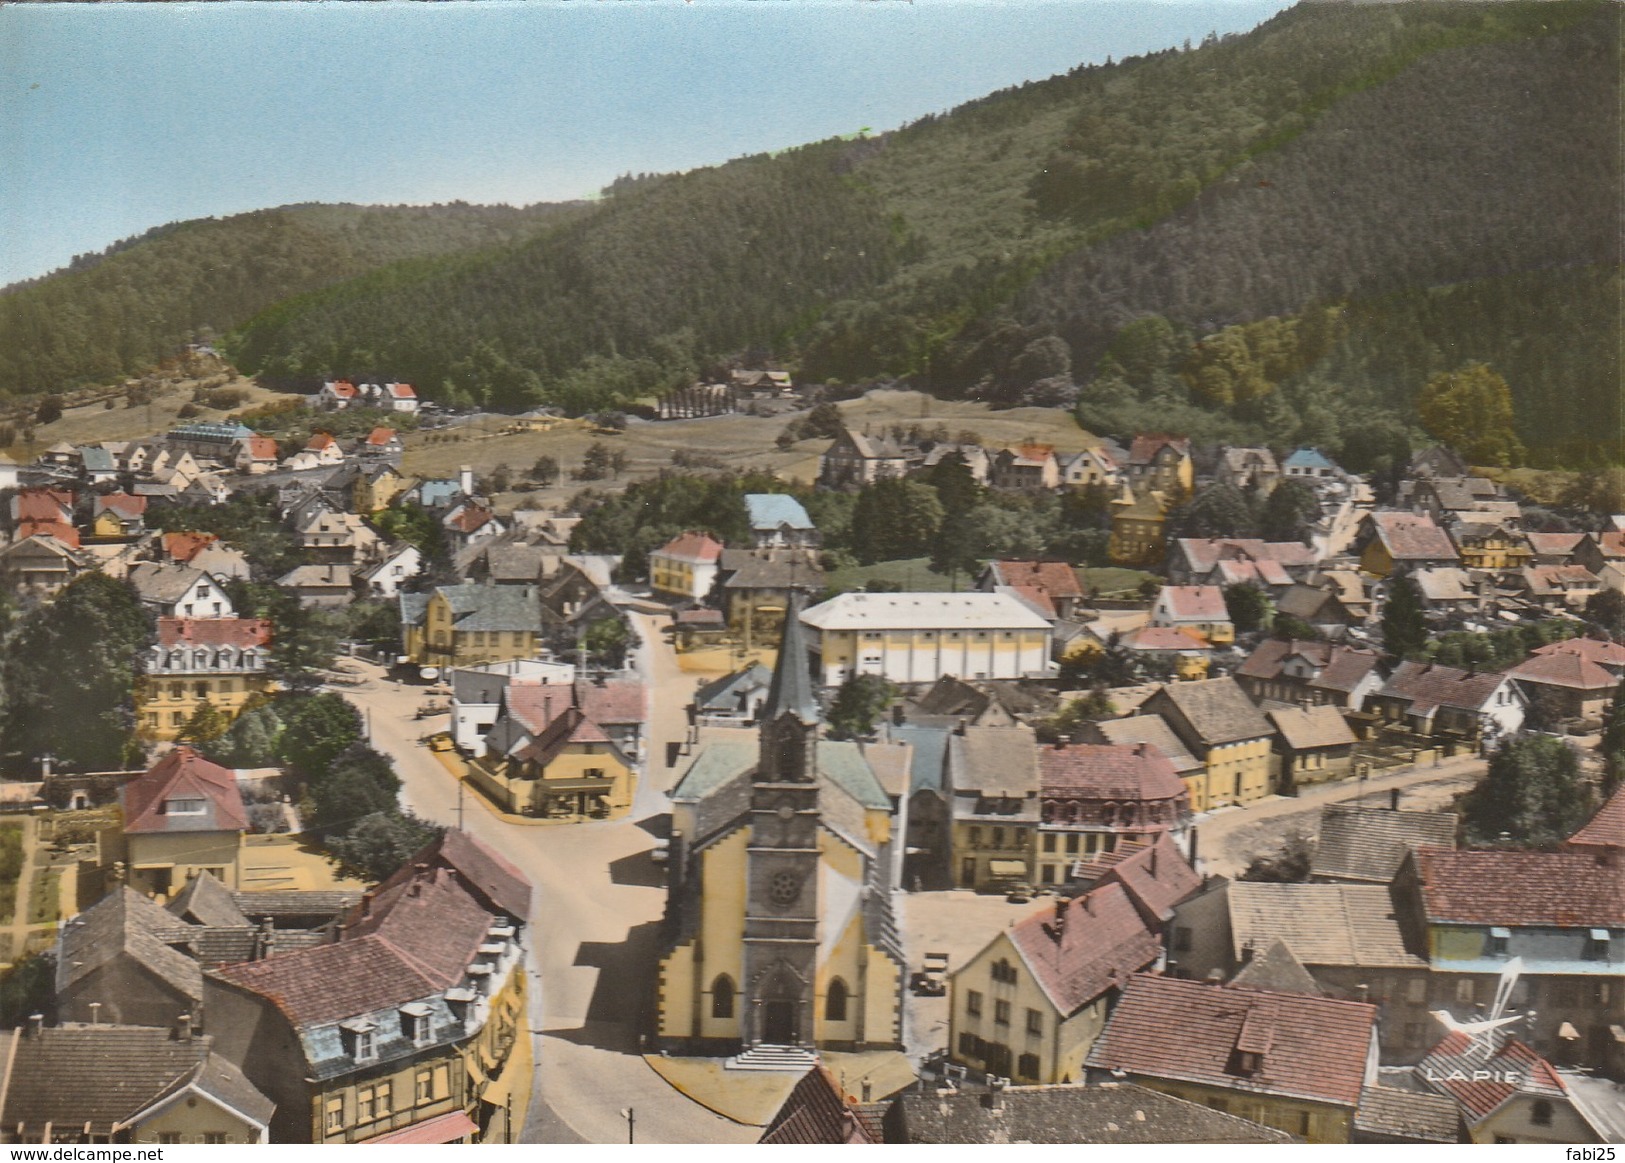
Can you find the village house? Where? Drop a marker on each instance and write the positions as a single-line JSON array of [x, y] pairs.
[[115, 965], [1153, 731], [993, 778], [756, 585], [1092, 466], [1552, 548], [339, 539], [732, 700], [320, 586], [219, 662], [469, 522], [1460, 708], [685, 567], [1504, 1090], [1604, 555], [1567, 683], [42, 563], [477, 694], [180, 591], [116, 516], [1322, 606], [404, 1028], [376, 487], [1051, 584], [125, 1084], [1094, 797], [856, 458], [1357, 845], [1603, 836], [1287, 1060], [1200, 610], [1219, 724], [1298, 671], [1312, 465], [1485, 545], [1252, 470], [545, 757], [779, 521], [1557, 588], [1030, 1005], [974, 457], [1560, 913], [1161, 463], [399, 564], [380, 442], [184, 816], [1025, 468], [1399, 542], [336, 394], [468, 624], [1179, 654], [1312, 745], [779, 938], [919, 637], [1138, 519], [255, 455], [216, 442], [1222, 561]]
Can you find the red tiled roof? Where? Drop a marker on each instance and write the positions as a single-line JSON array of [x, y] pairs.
[[183, 774], [238, 632], [1156, 876], [183, 547], [343, 388], [121, 503], [319, 440], [1606, 830], [700, 547], [1413, 537], [1590, 649], [1101, 942], [1557, 578], [1033, 596], [1197, 602], [816, 1111], [1564, 670], [1495, 887], [1426, 685], [260, 447], [42, 505], [570, 727], [1267, 573], [1611, 543], [328, 983], [469, 518], [534, 704], [1147, 446], [1170, 1028], [613, 702], [1163, 638], [1054, 578], [1105, 771], [64, 533], [1554, 544], [380, 436], [1458, 1066], [402, 391]]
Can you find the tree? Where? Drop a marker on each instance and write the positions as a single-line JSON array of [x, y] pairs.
[[28, 988], [207, 724], [1288, 627], [1470, 409], [894, 519], [379, 843], [358, 782], [1248, 607], [1606, 609], [860, 701], [304, 642], [1533, 797], [50, 410], [69, 671], [1063, 726], [606, 642], [1612, 743], [251, 740], [1288, 864], [1404, 623], [316, 728], [375, 623], [1217, 511], [500, 480], [1290, 506], [595, 463], [545, 471]]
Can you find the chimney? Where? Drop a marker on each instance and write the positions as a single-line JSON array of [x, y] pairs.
[[1059, 927], [1393, 799], [183, 1028], [465, 479], [1247, 953], [1151, 860], [1362, 992], [36, 1025], [868, 1090], [993, 1100], [95, 1013], [366, 903], [959, 729], [898, 718]]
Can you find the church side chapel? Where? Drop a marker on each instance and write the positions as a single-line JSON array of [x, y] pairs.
[[779, 927]]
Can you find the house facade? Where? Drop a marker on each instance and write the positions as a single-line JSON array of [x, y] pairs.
[[217, 661], [921, 637]]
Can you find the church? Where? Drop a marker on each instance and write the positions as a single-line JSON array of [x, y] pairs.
[[779, 927]]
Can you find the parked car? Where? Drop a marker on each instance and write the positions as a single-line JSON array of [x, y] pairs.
[[931, 979]]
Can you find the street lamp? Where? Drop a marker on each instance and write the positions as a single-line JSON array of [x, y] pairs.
[[630, 1116]]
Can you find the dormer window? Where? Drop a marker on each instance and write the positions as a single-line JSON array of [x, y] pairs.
[[1597, 945], [417, 1023], [1248, 1063], [185, 807], [1499, 940], [360, 1036]]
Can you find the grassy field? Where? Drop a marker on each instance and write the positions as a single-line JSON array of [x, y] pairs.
[[44, 896], [914, 574], [11, 866], [734, 442], [1112, 580]]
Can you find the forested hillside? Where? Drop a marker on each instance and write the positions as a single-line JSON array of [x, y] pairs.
[[1278, 235], [115, 313]]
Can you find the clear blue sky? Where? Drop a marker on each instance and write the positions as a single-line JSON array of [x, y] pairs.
[[116, 118]]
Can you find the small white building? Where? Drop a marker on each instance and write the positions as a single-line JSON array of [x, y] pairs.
[[918, 637], [476, 694]]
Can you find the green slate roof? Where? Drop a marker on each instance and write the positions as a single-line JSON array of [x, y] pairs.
[[719, 761], [843, 764]]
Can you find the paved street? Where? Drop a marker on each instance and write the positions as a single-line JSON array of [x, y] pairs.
[[594, 935]]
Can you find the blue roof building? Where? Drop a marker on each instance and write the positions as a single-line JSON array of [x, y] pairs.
[[778, 519]]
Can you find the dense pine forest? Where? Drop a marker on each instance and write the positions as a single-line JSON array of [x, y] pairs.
[[1282, 235]]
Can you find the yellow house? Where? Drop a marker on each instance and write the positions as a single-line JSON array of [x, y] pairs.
[[470, 624], [791, 943], [1138, 521], [1403, 540], [405, 1029], [1163, 463], [1292, 1061], [125, 1084], [1486, 546], [1154, 729], [118, 516], [920, 637], [376, 488], [1220, 726], [216, 661], [686, 566], [1030, 1005], [571, 768], [182, 817]]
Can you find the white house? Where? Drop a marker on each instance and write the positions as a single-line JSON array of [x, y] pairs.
[[401, 563], [476, 694], [917, 637], [179, 591]]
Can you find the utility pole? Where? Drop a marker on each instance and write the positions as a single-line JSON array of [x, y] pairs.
[[630, 1116]]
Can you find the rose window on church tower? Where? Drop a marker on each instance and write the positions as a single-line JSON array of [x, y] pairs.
[[784, 888]]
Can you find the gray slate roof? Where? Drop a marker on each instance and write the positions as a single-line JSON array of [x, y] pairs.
[[1275, 968], [1323, 924], [125, 923]]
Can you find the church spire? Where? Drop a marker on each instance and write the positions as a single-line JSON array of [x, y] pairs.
[[791, 691]]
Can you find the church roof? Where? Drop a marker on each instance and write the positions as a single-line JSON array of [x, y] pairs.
[[792, 689]]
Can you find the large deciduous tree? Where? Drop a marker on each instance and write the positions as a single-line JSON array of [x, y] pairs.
[[1533, 797], [1404, 625], [894, 519], [1471, 410], [70, 670], [860, 700]]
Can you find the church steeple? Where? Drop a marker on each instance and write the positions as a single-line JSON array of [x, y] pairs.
[[790, 714]]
